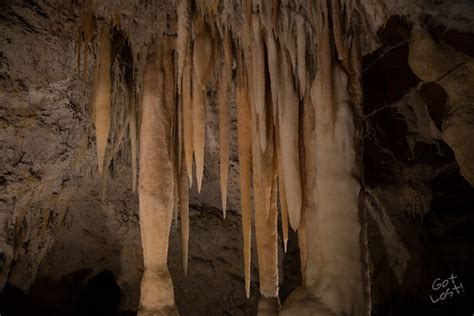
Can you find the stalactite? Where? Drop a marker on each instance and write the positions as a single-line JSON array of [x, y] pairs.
[[183, 35], [273, 69], [169, 93], [199, 128], [202, 52], [342, 52], [288, 122], [102, 95], [224, 119], [184, 214], [301, 54], [245, 156], [281, 191], [202, 56], [188, 114], [258, 79], [325, 57]]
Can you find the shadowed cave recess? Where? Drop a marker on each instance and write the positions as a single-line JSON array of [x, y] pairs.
[[237, 157]]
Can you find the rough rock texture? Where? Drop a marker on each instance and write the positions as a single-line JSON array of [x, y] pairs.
[[44, 126], [416, 196]]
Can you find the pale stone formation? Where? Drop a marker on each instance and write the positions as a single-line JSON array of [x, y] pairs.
[[298, 95], [333, 279], [102, 95], [156, 191]]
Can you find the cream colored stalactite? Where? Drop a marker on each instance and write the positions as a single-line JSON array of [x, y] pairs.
[[288, 123], [184, 214], [341, 49], [202, 56], [258, 79], [182, 38], [273, 69], [199, 128], [224, 119], [301, 54], [263, 171], [281, 191], [324, 56], [102, 95], [156, 193], [188, 114], [245, 160], [169, 93]]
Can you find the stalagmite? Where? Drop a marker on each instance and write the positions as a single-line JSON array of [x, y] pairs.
[[224, 119], [245, 156], [102, 95], [188, 115], [288, 123], [156, 193]]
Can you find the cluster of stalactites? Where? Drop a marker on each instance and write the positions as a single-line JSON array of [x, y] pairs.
[[282, 53], [278, 50], [116, 94]]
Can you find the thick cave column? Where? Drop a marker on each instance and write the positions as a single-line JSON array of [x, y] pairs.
[[156, 191], [332, 241], [333, 275]]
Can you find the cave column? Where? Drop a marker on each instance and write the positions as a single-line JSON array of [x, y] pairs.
[[156, 191]]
